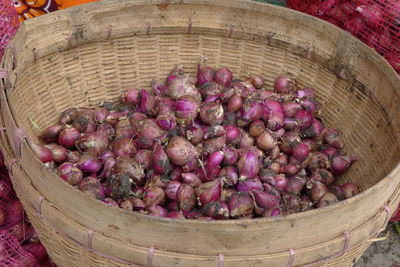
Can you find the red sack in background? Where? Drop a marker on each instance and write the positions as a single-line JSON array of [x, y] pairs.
[[12, 254], [376, 22], [8, 23]]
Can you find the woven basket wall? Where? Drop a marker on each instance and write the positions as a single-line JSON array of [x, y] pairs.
[[93, 52]]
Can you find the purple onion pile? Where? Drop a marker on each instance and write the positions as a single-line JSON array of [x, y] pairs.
[[209, 148]]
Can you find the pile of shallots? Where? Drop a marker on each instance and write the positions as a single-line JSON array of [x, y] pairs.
[[205, 148]]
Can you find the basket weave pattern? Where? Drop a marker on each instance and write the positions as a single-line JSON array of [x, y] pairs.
[[98, 50]]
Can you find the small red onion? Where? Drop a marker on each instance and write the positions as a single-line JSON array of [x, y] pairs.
[[304, 119], [100, 115], [209, 192], [158, 89], [230, 175], [300, 151], [130, 167], [273, 114], [89, 164], [272, 212], [191, 179], [230, 155], [318, 161], [153, 196], [290, 169], [246, 141], [295, 185], [284, 84], [157, 211], [70, 173], [223, 77], [148, 133], [68, 115], [205, 74], [186, 198], [180, 151], [249, 185], [216, 210], [123, 128], [290, 109], [176, 215], [305, 93], [314, 131], [251, 111], [195, 135], [214, 144], [265, 141], [131, 96], [214, 160], [68, 137], [337, 191], [235, 103], [110, 202], [290, 124], [160, 161], [350, 190], [51, 133], [256, 128], [166, 121], [318, 190], [143, 157], [265, 200], [332, 137], [94, 144], [175, 174], [245, 89], [281, 181], [186, 107], [107, 169], [275, 167], [257, 82], [147, 103], [82, 122], [310, 106], [240, 205], [212, 113], [323, 176], [190, 166], [249, 164], [92, 187], [183, 86], [326, 200], [232, 134], [44, 153], [340, 164], [214, 131], [124, 147]]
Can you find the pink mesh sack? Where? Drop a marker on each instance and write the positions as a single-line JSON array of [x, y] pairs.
[[8, 24], [376, 22], [12, 254]]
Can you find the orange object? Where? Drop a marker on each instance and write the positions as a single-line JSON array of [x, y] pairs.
[[70, 3]]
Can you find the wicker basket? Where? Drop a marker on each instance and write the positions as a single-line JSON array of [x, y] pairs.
[[91, 53]]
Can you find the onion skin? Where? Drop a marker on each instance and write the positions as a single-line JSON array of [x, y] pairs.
[[110, 202], [284, 84], [124, 147], [92, 187], [172, 189], [214, 144], [186, 198], [45, 155], [230, 175], [68, 137], [176, 215], [144, 157], [323, 176], [180, 151], [290, 109], [240, 205], [153, 196], [70, 173], [148, 133], [246, 141], [331, 137], [130, 96], [249, 164], [318, 190], [123, 128], [130, 167], [94, 144], [273, 114], [208, 192], [182, 86], [161, 163], [212, 113], [304, 119], [340, 164], [223, 77], [50, 134], [216, 210], [68, 115], [230, 156], [326, 200], [350, 190]]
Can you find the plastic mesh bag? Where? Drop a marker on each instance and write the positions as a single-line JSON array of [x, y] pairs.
[[376, 22], [12, 254], [8, 24]]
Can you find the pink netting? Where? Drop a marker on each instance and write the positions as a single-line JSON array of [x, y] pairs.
[[12, 254], [8, 24], [376, 22]]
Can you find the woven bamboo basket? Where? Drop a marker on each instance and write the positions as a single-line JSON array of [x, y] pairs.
[[82, 56]]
